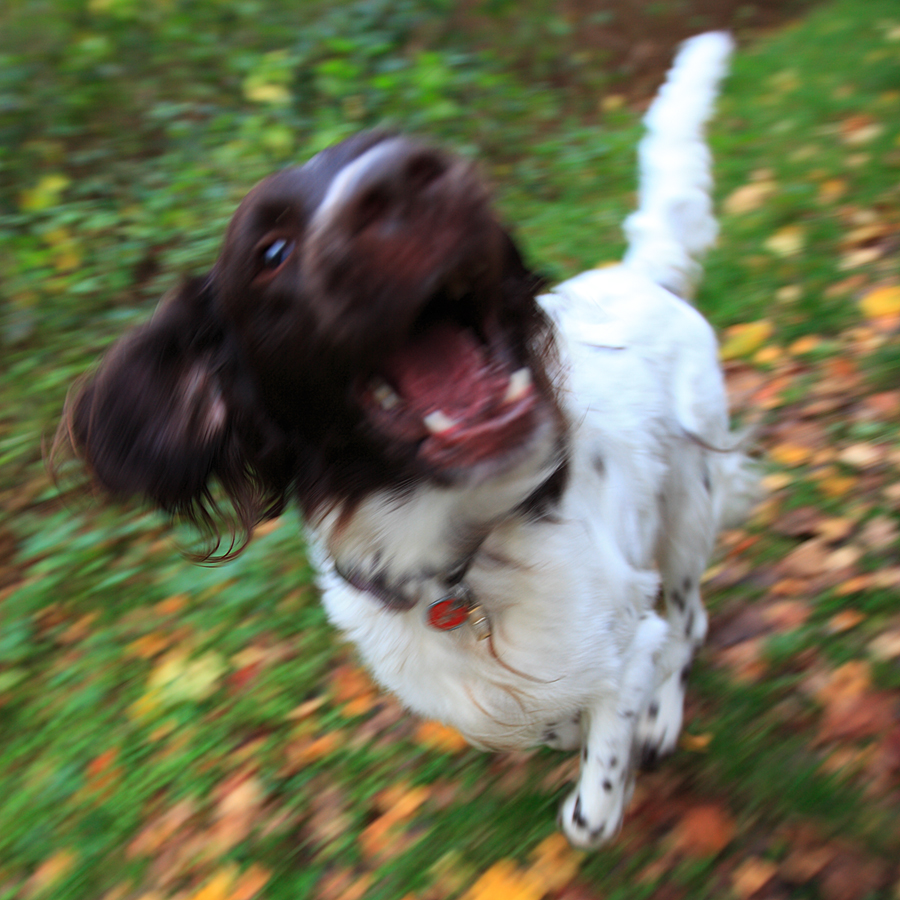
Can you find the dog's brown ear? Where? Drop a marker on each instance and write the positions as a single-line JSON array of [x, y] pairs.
[[153, 420]]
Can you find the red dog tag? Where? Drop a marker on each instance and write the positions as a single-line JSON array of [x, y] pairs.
[[447, 613]]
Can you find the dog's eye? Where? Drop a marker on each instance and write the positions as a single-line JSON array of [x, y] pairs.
[[276, 253]]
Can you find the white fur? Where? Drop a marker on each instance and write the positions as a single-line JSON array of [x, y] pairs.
[[579, 654]]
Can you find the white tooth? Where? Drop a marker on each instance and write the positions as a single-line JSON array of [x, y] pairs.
[[519, 382], [386, 397], [438, 422]]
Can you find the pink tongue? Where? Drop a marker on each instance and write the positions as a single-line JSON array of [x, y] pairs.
[[445, 369]]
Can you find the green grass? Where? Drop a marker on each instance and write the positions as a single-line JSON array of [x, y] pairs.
[[127, 135]]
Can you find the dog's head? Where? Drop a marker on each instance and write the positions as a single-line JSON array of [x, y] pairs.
[[368, 324]]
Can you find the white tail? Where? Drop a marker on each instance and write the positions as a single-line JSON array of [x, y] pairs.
[[674, 225]]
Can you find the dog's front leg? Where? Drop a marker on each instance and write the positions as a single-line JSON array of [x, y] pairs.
[[592, 813]]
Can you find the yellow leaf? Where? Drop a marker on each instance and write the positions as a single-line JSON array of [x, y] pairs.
[[44, 194], [787, 241], [742, 340], [218, 887], [555, 864], [767, 356], [884, 301], [276, 94], [749, 197], [832, 190]]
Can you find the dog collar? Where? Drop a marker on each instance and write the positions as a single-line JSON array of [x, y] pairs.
[[449, 612]]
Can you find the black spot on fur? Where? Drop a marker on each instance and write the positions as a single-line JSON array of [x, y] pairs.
[[653, 711], [687, 585], [599, 464], [689, 627], [648, 757], [577, 818], [613, 761], [678, 600], [607, 785]]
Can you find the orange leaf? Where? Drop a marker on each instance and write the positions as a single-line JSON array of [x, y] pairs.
[[50, 872], [250, 883], [555, 864], [440, 737], [845, 620], [171, 605], [504, 880], [704, 831]]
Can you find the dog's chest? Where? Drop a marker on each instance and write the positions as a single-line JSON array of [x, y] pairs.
[[562, 609]]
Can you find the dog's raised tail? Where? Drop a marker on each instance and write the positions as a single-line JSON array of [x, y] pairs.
[[674, 225]]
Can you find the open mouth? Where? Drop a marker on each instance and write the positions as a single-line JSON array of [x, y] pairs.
[[454, 388]]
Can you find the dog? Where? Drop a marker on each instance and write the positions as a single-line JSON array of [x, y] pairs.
[[511, 496]]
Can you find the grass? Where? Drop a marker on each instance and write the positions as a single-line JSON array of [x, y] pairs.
[[168, 729]]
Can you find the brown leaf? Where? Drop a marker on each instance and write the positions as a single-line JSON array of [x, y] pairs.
[[786, 615], [803, 863], [852, 710], [752, 875], [704, 831], [886, 646], [805, 561], [853, 876]]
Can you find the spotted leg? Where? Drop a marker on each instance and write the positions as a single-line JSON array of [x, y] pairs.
[[592, 813]]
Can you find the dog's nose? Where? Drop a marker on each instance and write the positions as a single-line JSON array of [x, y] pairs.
[[383, 184]]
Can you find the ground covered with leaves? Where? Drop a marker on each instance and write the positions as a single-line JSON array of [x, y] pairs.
[[172, 732]]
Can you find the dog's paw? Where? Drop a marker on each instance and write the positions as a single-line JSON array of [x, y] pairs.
[[657, 730], [592, 816]]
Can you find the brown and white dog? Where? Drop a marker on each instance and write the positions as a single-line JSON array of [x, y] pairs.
[[498, 484]]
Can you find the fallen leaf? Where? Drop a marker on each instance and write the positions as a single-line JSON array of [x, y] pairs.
[[845, 620], [704, 830], [886, 646], [752, 875], [554, 865], [787, 241], [442, 738], [804, 345], [217, 888], [250, 883], [749, 197], [504, 879], [786, 615], [883, 301], [803, 863], [791, 455], [807, 560], [696, 743], [861, 456], [744, 339], [879, 533], [49, 872]]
